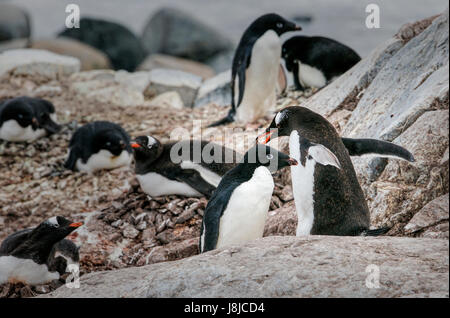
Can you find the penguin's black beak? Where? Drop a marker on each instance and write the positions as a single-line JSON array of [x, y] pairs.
[[34, 123], [51, 127], [292, 162]]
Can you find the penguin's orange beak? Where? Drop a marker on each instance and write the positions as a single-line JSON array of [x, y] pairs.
[[135, 145], [78, 224], [265, 137]]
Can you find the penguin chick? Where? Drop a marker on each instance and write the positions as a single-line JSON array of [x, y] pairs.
[[237, 210], [99, 145]]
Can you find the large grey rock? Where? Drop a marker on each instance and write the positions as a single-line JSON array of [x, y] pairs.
[[216, 90], [90, 58], [312, 266], [430, 215], [31, 62], [164, 80], [14, 23], [174, 32]]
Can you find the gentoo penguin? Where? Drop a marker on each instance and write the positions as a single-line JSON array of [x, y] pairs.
[[338, 203], [27, 119], [237, 211], [190, 168], [99, 145], [316, 61], [33, 256], [255, 69]]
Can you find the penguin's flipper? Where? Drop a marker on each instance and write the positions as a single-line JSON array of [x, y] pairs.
[[74, 155], [211, 224], [226, 120], [50, 126], [295, 73], [376, 232], [195, 180], [360, 147]]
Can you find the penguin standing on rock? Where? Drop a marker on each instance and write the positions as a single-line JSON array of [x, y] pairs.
[[99, 145], [328, 197], [255, 69], [316, 61], [173, 168], [27, 119], [36, 256], [237, 211]]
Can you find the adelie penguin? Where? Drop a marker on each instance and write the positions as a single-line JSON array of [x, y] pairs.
[[99, 145], [237, 211], [327, 194], [316, 61], [189, 168], [27, 119], [255, 69], [39, 255]]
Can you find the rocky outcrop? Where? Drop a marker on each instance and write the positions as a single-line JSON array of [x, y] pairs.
[[156, 61], [313, 266], [173, 32], [90, 58], [37, 63], [215, 90], [122, 47]]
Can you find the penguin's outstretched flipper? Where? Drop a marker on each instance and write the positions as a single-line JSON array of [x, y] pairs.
[[361, 147], [195, 180], [226, 120], [376, 232]]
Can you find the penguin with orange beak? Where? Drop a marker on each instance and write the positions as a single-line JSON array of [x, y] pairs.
[[33, 256]]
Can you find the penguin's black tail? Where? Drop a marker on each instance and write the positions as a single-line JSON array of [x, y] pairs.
[[226, 120], [376, 232]]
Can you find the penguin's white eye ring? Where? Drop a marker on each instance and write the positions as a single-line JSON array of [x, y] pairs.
[[269, 156], [20, 116], [55, 225], [279, 25], [108, 144]]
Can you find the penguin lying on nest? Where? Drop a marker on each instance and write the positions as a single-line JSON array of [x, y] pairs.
[[189, 168], [99, 145], [316, 61], [255, 69], [328, 197], [39, 255], [237, 211], [27, 119]]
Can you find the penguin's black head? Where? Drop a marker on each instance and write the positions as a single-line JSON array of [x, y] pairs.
[[54, 229], [44, 109], [16, 109], [261, 155], [288, 50], [113, 140], [146, 148], [275, 22], [292, 118]]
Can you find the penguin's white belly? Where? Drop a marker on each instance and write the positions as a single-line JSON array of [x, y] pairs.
[[157, 185], [104, 159], [13, 269], [302, 187], [245, 216], [261, 79], [12, 131], [310, 76]]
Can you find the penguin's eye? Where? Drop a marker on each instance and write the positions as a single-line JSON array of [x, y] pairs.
[[269, 156], [108, 144], [20, 116], [279, 25], [55, 225]]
